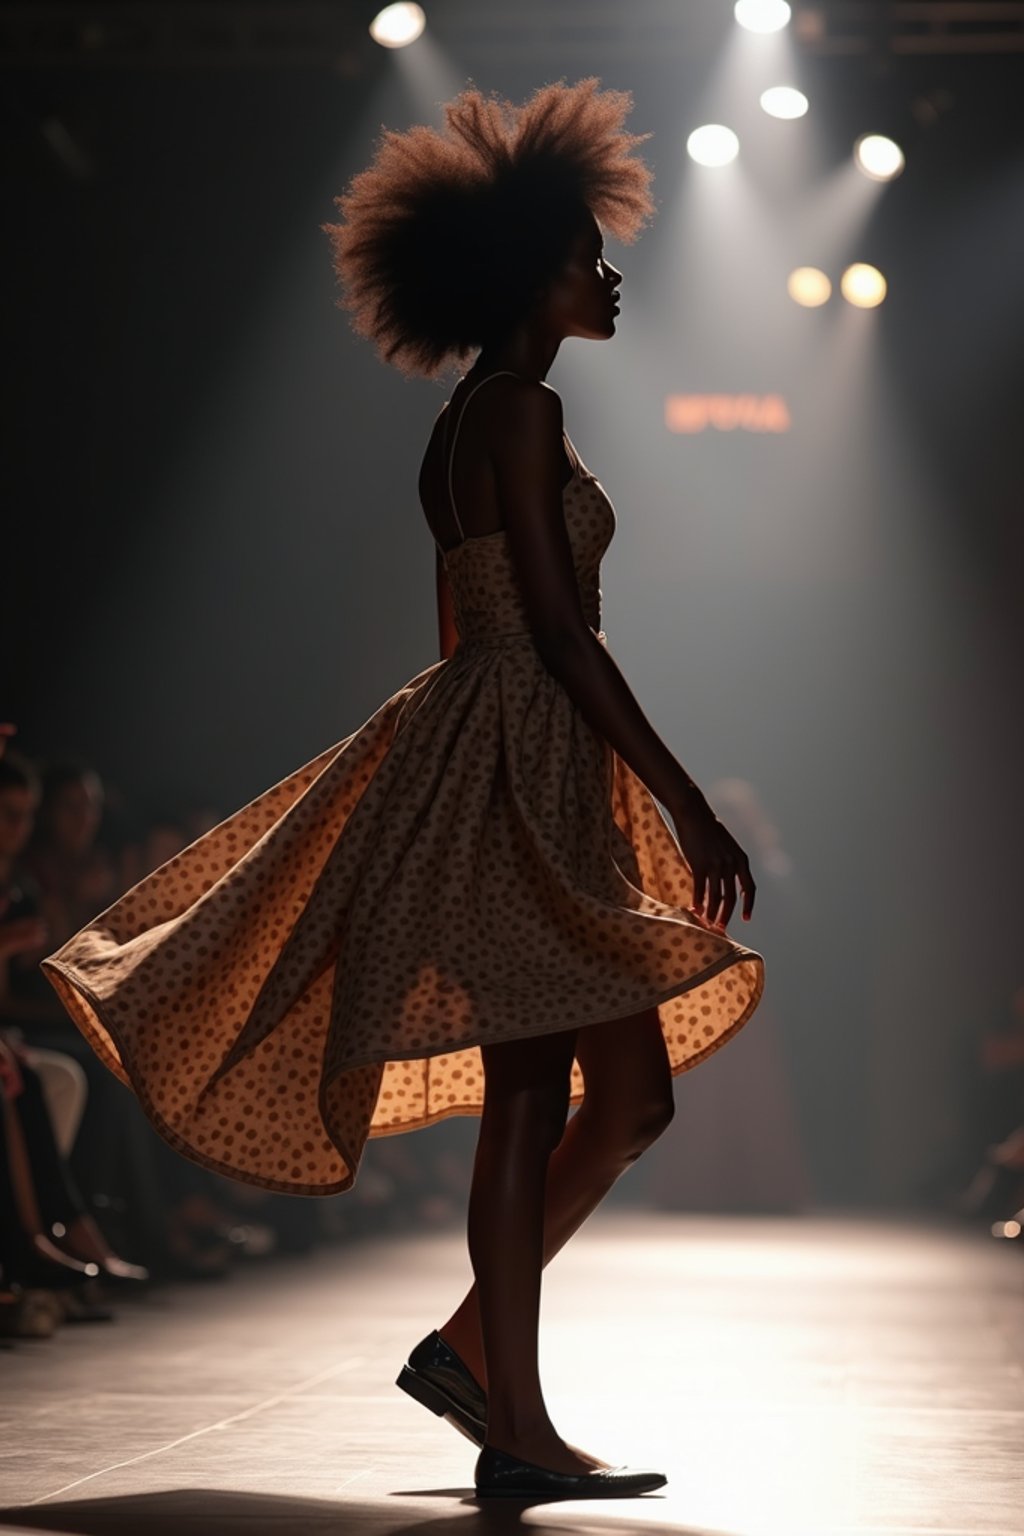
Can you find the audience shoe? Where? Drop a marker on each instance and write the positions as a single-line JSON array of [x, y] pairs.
[[436, 1377], [499, 1475]]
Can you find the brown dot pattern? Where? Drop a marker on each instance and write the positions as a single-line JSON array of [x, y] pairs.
[[473, 864]]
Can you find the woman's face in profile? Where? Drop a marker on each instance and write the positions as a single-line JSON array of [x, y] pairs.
[[581, 299]]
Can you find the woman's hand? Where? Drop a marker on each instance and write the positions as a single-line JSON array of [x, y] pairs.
[[716, 860]]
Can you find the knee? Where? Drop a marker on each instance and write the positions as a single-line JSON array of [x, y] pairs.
[[629, 1130], [654, 1119]]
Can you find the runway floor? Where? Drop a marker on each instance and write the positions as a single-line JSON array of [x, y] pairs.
[[818, 1375]]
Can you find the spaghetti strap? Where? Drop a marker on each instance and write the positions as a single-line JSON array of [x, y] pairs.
[[458, 423]]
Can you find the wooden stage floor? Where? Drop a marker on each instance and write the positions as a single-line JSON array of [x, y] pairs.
[[817, 1375]]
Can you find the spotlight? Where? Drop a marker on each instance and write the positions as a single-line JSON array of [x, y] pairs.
[[879, 158], [762, 15], [713, 145], [863, 285], [784, 101], [397, 25], [809, 286]]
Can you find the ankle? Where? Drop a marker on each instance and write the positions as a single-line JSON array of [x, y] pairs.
[[472, 1356], [463, 1336], [510, 1424], [466, 1317]]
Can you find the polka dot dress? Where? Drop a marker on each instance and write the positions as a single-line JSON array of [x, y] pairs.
[[473, 864]]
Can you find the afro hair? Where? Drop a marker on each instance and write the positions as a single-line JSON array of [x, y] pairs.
[[450, 237]]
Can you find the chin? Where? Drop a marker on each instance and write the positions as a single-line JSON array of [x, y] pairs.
[[602, 331]]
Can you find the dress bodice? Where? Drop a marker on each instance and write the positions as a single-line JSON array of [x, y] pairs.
[[486, 593]]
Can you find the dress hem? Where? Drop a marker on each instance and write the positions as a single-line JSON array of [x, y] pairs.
[[674, 989], [70, 978], [664, 996], [61, 975]]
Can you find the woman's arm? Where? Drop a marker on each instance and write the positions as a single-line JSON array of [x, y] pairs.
[[528, 456], [529, 459], [447, 634]]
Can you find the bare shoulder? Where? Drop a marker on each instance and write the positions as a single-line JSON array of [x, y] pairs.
[[527, 412], [529, 394]]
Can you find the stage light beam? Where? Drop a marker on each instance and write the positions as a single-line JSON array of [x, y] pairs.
[[878, 158], [762, 15], [398, 25], [784, 101], [809, 286], [863, 285], [713, 145]]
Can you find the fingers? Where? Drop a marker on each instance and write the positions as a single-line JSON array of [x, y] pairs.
[[715, 880], [707, 888], [700, 876], [729, 892], [748, 887], [717, 885], [722, 879], [715, 877]]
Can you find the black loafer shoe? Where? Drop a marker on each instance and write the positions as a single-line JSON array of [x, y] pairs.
[[499, 1475], [436, 1377]]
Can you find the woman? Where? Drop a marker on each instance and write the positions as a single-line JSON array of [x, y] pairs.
[[473, 904]]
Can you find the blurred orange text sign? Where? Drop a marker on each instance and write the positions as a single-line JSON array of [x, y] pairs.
[[726, 413]]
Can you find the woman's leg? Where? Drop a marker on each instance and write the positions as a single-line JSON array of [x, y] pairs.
[[526, 1099], [627, 1104]]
